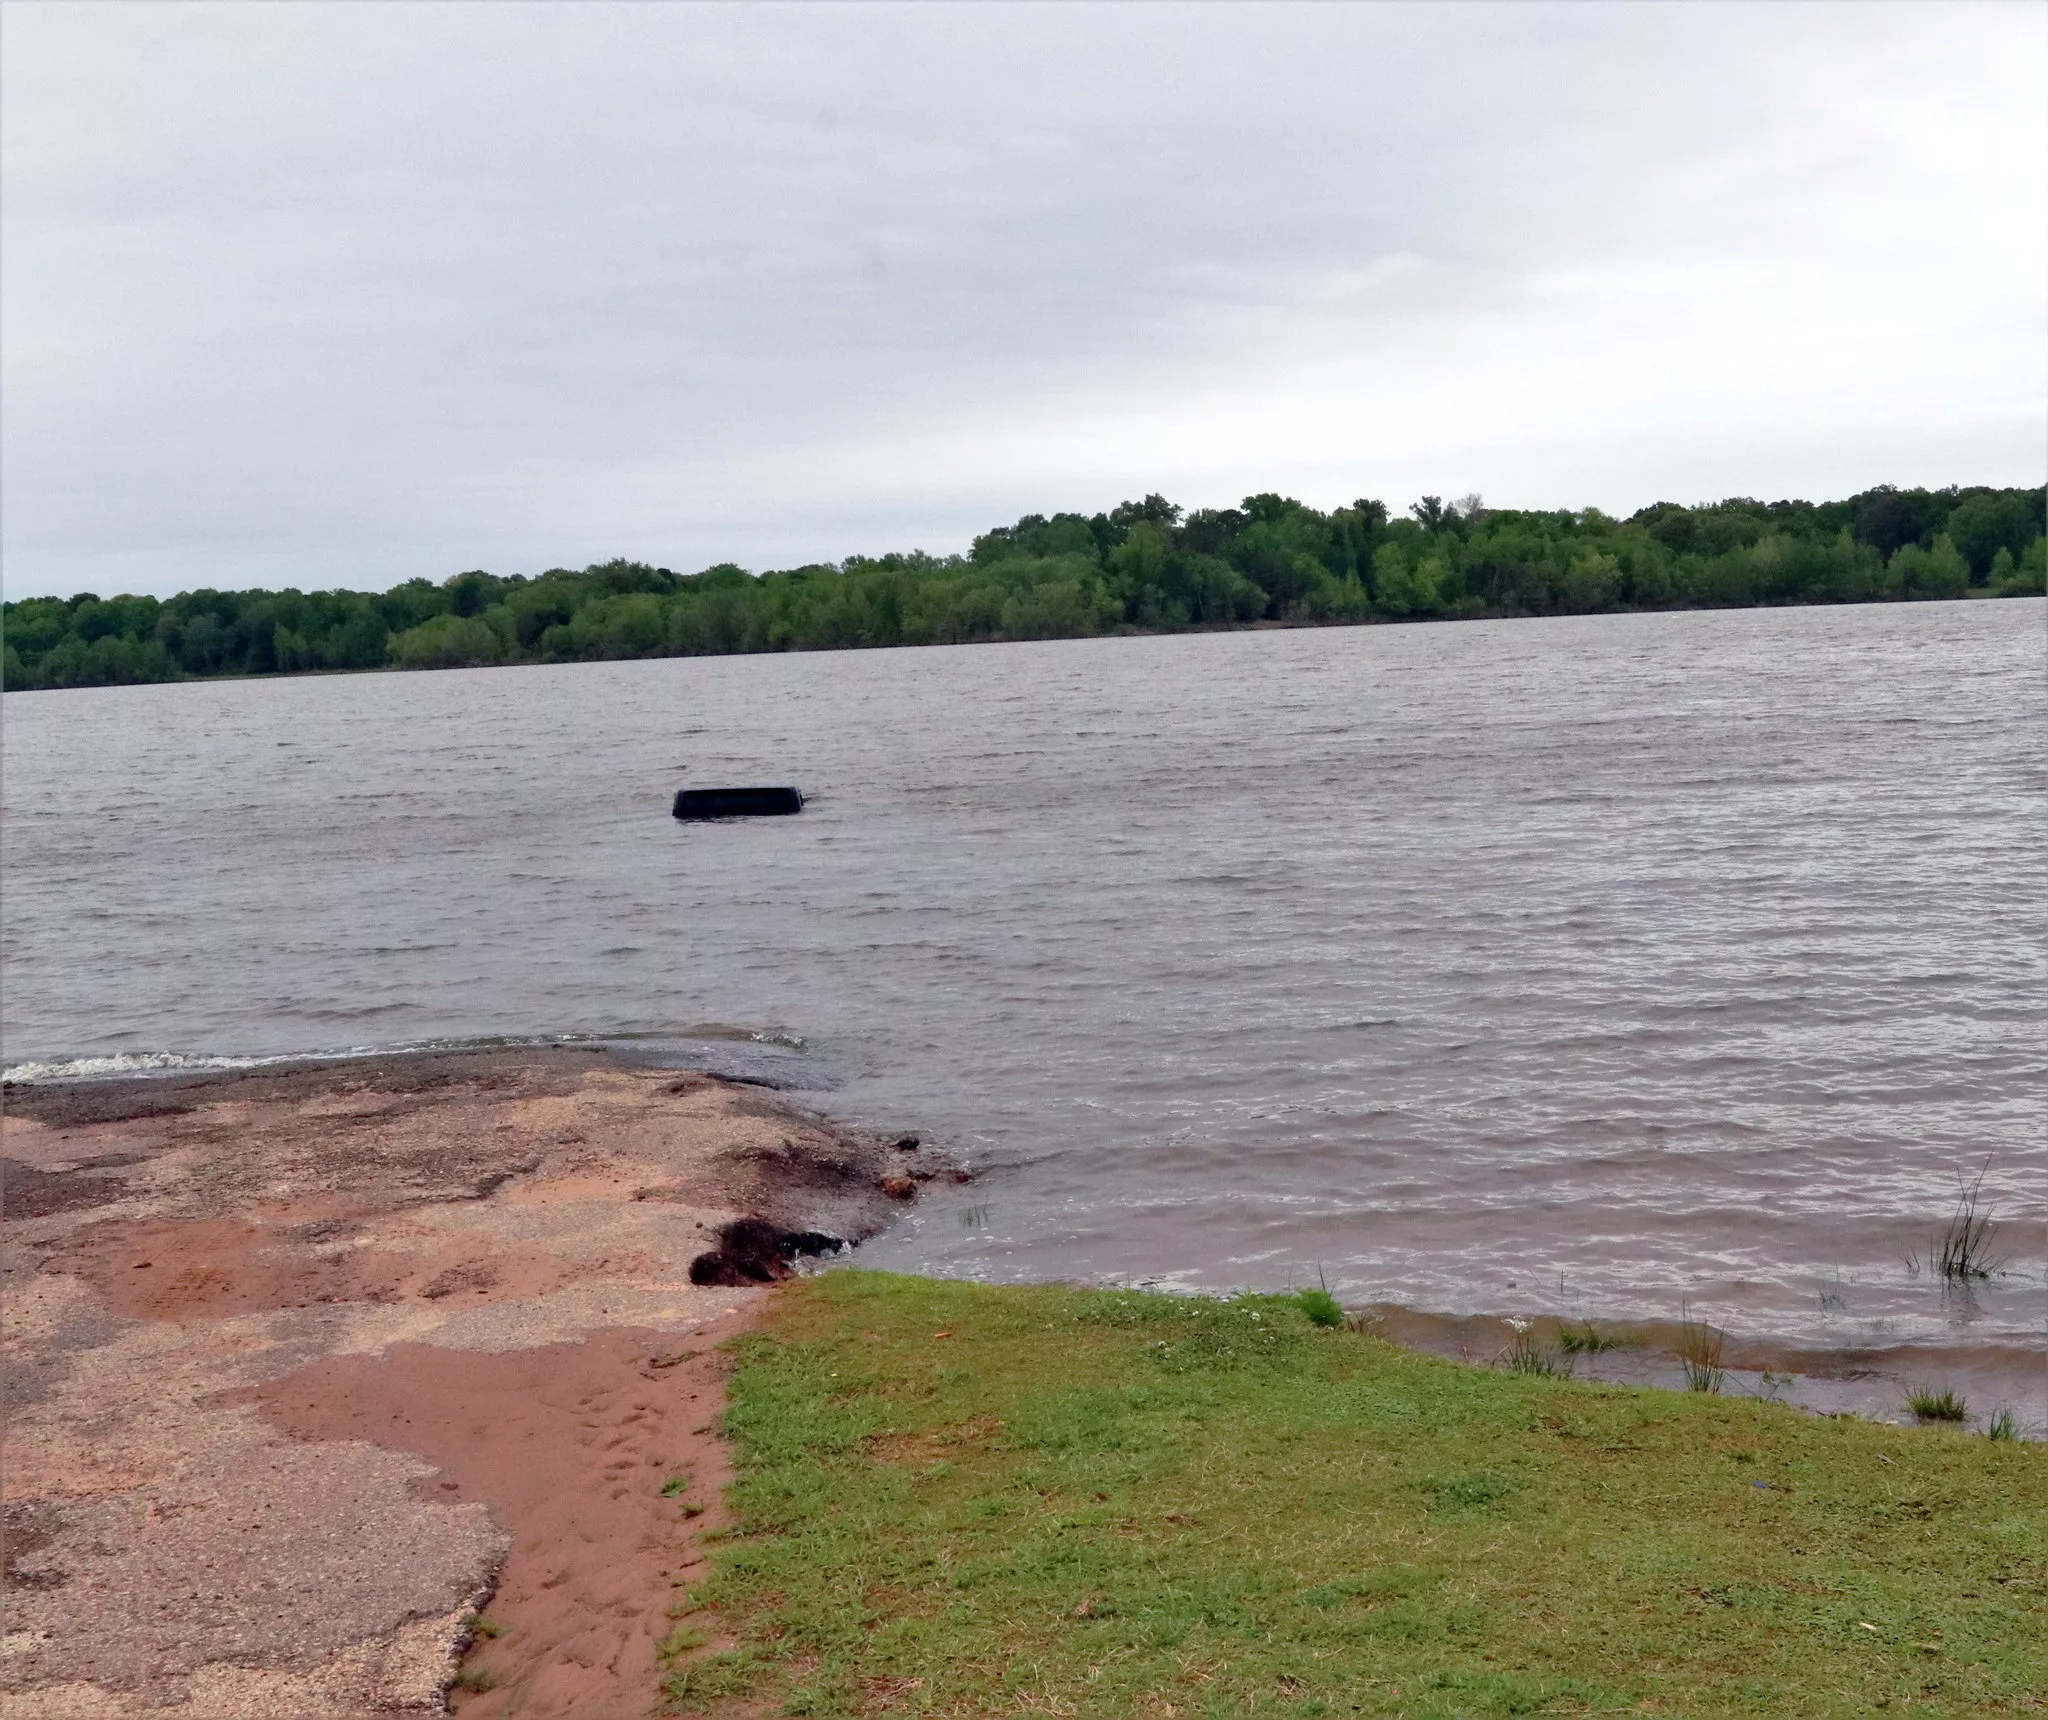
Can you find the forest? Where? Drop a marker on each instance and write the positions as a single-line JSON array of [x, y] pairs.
[[1142, 567]]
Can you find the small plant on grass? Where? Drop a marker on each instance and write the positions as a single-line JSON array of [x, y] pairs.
[[1699, 1354], [1526, 1356], [1320, 1306], [681, 1640], [1467, 1492], [1930, 1405], [2003, 1424]]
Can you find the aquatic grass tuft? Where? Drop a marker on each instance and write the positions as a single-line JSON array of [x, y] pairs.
[[1587, 1339], [1964, 1251], [1699, 1354], [1928, 1404], [1320, 1306], [2003, 1425]]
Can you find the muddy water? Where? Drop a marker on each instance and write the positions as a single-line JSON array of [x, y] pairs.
[[1599, 965]]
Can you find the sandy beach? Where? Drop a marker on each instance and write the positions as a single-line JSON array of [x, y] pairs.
[[309, 1363]]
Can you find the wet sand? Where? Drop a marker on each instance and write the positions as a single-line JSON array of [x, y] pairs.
[[305, 1365]]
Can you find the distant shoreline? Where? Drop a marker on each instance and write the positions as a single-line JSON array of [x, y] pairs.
[[1123, 633], [1144, 567]]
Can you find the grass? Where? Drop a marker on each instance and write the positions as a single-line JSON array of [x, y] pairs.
[[1587, 1339], [1529, 1355], [1699, 1354], [1965, 1249], [1962, 1254], [1930, 1405], [1124, 1506], [2004, 1424]]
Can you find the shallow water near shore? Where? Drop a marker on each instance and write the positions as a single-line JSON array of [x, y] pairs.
[[1591, 966]]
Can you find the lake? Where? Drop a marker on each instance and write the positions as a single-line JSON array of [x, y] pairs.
[[1595, 965]]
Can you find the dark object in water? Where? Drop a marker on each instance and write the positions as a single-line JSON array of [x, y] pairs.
[[753, 1251], [736, 802]]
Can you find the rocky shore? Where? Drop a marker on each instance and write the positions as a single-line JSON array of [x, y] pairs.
[[307, 1363]]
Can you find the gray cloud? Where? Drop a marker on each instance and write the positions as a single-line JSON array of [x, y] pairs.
[[340, 294]]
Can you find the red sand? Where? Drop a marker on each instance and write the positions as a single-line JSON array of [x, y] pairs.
[[248, 1312], [569, 1445], [176, 1269]]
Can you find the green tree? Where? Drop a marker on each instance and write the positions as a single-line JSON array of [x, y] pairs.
[[1888, 519], [363, 641], [1991, 521], [1402, 590], [1142, 565], [446, 642], [1057, 609], [2029, 575], [1930, 573]]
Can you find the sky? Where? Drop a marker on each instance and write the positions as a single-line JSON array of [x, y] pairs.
[[346, 294]]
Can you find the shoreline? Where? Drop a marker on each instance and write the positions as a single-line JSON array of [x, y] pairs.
[[1869, 1376], [271, 1329], [1971, 593], [394, 1338]]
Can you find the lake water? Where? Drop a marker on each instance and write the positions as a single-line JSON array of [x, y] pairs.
[[1580, 965]]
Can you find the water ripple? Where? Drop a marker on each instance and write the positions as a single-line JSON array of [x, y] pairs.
[[1593, 964]]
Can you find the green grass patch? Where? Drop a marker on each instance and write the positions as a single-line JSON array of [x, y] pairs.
[[1528, 1355], [1118, 1504], [1585, 1338], [1930, 1405]]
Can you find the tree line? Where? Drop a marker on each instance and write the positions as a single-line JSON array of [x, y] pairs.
[[1143, 567]]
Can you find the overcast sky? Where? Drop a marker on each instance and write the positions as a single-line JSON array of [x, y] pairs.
[[341, 294]]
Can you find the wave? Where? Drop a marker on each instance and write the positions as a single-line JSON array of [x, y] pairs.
[[138, 1063], [123, 1063]]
